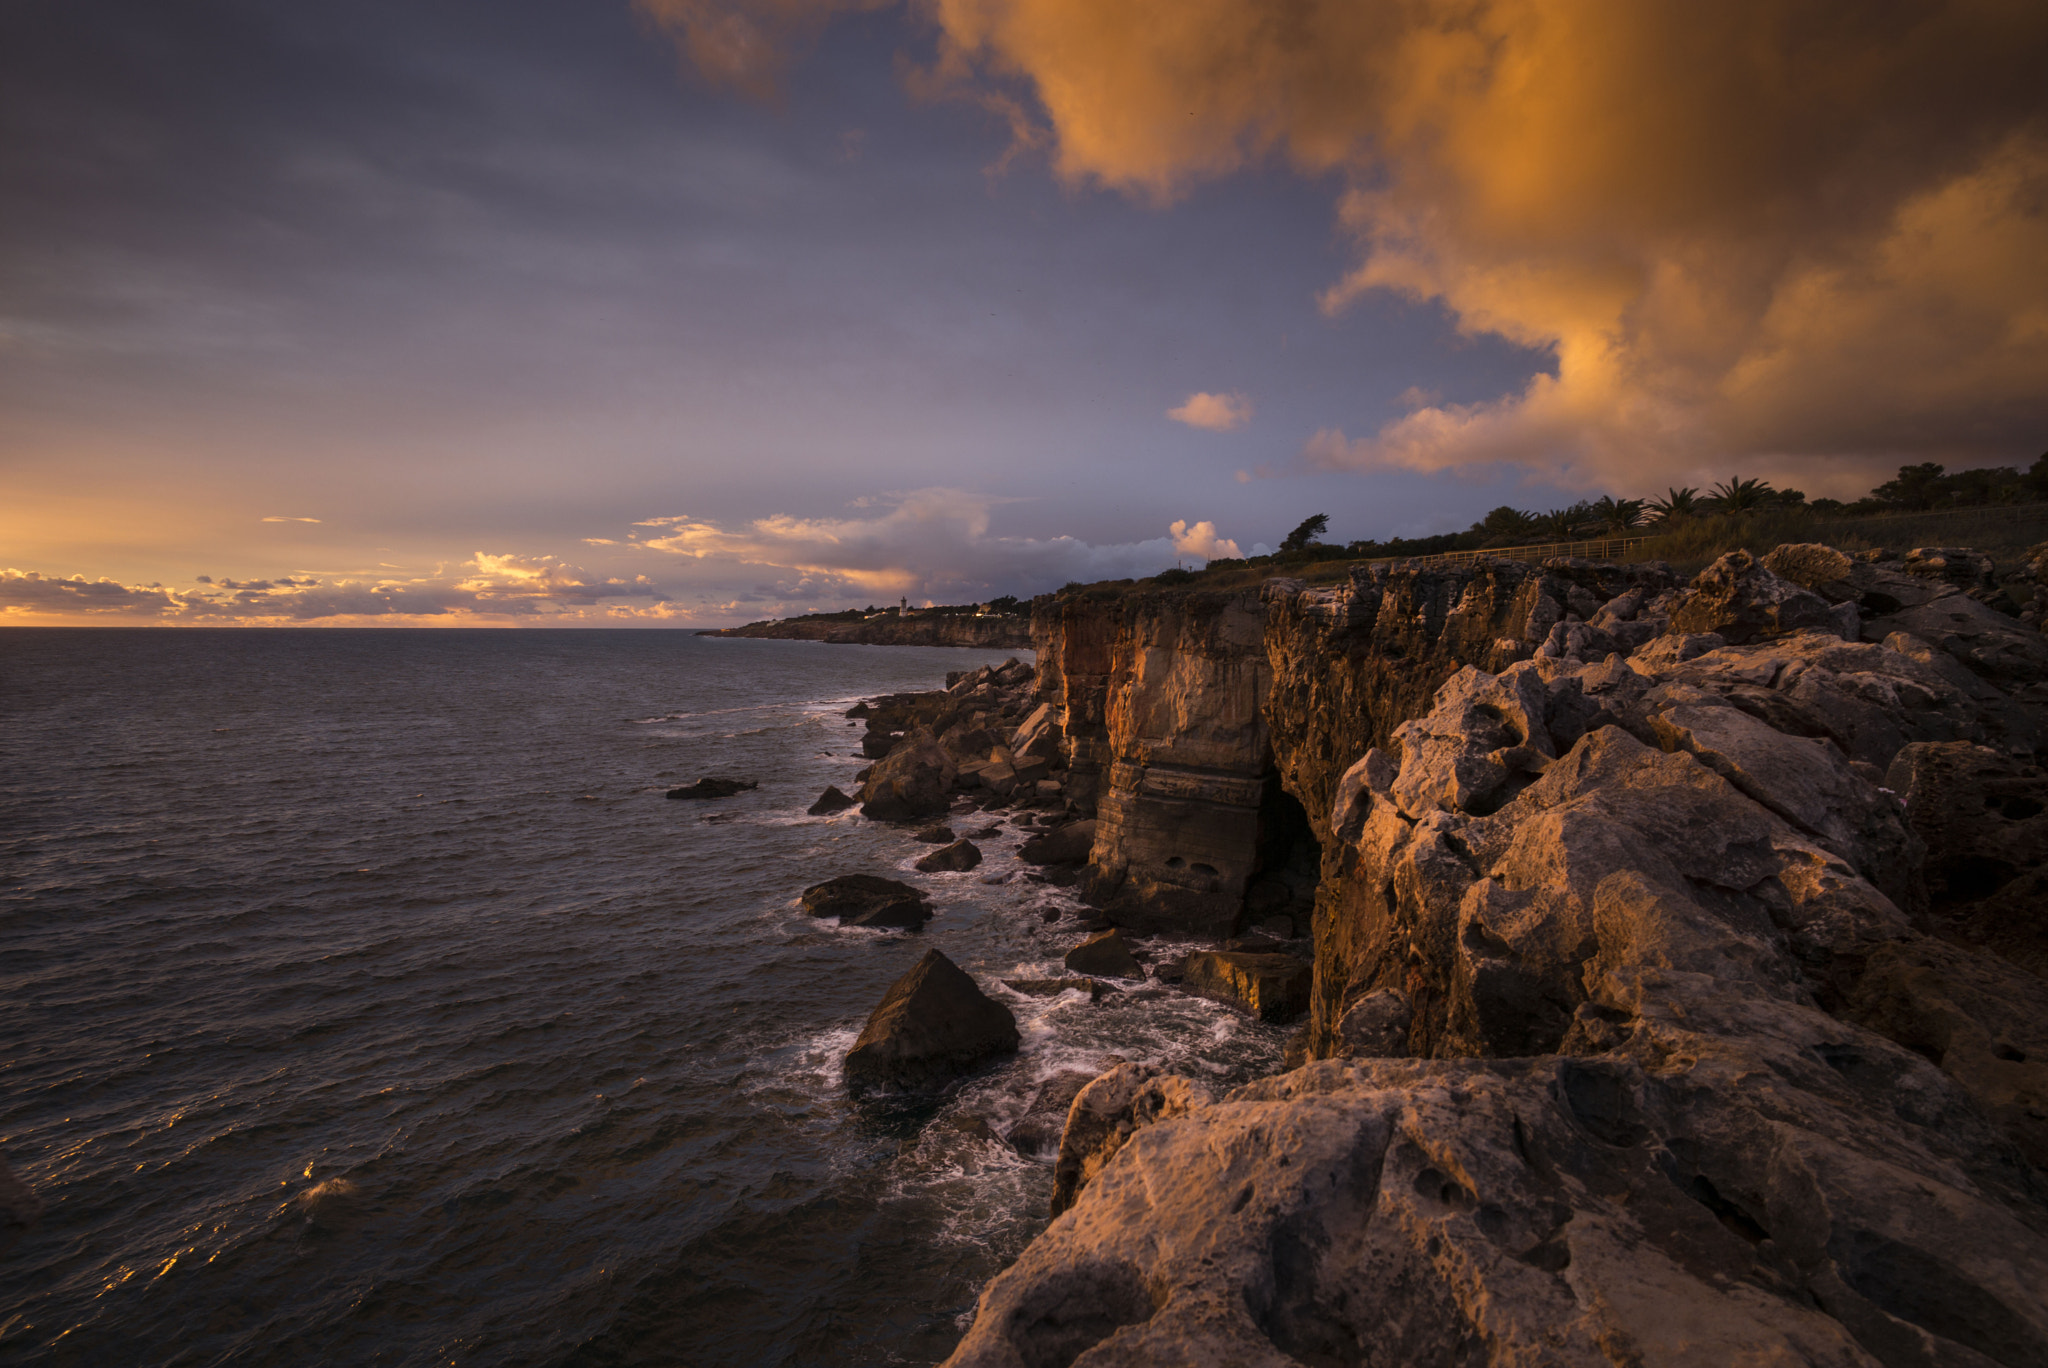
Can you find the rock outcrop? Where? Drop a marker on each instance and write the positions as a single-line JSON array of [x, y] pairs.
[[933, 1025], [1271, 987], [1649, 1024], [956, 858], [868, 900], [1106, 952], [712, 788]]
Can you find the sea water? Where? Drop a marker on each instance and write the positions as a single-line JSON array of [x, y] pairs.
[[363, 1000]]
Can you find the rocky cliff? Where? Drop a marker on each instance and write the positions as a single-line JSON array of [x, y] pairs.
[[1676, 994], [996, 632]]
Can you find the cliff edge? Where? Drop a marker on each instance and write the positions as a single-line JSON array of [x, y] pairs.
[[1677, 994]]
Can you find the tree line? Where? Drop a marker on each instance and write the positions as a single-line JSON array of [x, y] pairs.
[[1916, 488]]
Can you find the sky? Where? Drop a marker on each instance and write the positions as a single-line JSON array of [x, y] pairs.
[[695, 312]]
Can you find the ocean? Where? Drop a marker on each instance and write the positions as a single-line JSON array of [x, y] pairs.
[[364, 1001]]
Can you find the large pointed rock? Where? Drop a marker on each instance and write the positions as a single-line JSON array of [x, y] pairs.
[[932, 1025]]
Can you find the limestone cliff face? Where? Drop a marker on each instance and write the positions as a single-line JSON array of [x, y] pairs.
[[1648, 1024], [1162, 697]]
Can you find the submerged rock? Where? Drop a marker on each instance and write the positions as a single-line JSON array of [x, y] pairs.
[[933, 1025], [713, 788], [867, 900], [956, 858], [1053, 987], [1105, 953], [934, 835], [830, 801]]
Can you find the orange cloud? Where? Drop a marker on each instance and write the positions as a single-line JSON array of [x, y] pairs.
[[1213, 412], [1794, 232]]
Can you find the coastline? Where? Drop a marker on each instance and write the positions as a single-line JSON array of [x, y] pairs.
[[996, 632]]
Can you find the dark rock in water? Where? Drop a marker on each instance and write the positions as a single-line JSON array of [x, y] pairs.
[[1270, 987], [1105, 953], [713, 788], [933, 1025], [830, 801], [1036, 1134], [877, 744], [865, 900], [956, 858], [1051, 914], [935, 835], [1068, 845], [985, 832], [18, 1203], [1094, 988]]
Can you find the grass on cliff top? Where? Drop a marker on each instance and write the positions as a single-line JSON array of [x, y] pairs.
[[1689, 548]]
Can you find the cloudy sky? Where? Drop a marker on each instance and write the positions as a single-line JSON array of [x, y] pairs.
[[681, 312]]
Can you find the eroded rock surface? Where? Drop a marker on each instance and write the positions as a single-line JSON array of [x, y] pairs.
[[1649, 1022]]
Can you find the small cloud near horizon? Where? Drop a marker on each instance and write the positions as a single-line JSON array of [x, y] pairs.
[[282, 519], [1214, 412]]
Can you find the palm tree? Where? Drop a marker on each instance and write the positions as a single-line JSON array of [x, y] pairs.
[[1742, 496], [1561, 523], [1617, 515], [1676, 504]]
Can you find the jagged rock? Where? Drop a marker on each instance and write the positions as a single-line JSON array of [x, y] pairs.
[[830, 801], [1270, 987], [1106, 1112], [1958, 565], [933, 1025], [1986, 641], [1739, 600], [1376, 1025], [1811, 565], [1038, 736], [1105, 953], [911, 783], [997, 776], [876, 745], [713, 788], [957, 858], [1984, 818], [1068, 844], [1094, 988], [867, 900], [934, 835]]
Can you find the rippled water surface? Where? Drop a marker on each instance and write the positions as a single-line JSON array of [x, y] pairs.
[[362, 1000]]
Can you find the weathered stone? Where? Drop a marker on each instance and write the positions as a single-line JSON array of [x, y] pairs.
[[1068, 844], [933, 1025], [1104, 953], [713, 788], [957, 858], [1270, 987], [867, 900], [1106, 1112], [1986, 641], [911, 783], [1376, 1024], [1741, 601], [934, 835], [1984, 818], [1811, 565], [830, 801]]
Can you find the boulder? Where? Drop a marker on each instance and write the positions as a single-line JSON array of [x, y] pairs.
[[875, 745], [1810, 565], [1376, 1025], [713, 788], [933, 1025], [829, 802], [1038, 736], [1068, 844], [1991, 645], [1106, 1113], [866, 900], [1984, 818], [934, 835], [1105, 953], [911, 783], [1271, 987], [957, 858], [1739, 600]]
